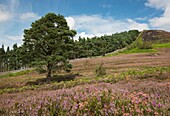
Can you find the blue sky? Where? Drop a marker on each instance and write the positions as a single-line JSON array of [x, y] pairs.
[[89, 17]]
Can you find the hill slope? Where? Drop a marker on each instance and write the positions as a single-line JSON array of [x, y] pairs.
[[155, 36], [134, 84]]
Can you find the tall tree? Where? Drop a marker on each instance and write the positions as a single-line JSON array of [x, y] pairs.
[[13, 58], [7, 56], [51, 40], [2, 59]]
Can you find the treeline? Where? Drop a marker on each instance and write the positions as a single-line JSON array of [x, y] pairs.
[[13, 59], [19, 57], [97, 46]]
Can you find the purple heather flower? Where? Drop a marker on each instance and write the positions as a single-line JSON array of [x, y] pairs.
[[153, 103], [159, 105]]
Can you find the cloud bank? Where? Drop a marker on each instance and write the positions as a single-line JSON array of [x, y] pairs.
[[97, 25], [163, 21], [86, 25], [11, 19], [28, 16], [4, 14]]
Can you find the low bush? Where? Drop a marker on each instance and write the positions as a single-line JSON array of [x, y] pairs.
[[139, 43], [40, 70], [100, 70], [145, 45], [90, 101]]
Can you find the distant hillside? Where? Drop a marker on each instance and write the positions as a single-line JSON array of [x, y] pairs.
[[155, 36]]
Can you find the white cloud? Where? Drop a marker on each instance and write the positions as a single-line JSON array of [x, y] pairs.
[[106, 6], [4, 14], [7, 10], [71, 22], [28, 16], [13, 21], [86, 35], [96, 25], [9, 40], [163, 21], [141, 18], [158, 4], [139, 26], [14, 38]]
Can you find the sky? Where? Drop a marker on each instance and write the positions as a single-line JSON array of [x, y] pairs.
[[88, 17]]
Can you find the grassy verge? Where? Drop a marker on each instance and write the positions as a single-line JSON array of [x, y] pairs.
[[137, 50], [166, 45], [130, 51], [15, 74], [160, 73]]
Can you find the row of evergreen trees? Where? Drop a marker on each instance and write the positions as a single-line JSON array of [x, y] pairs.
[[18, 57], [97, 46], [12, 59]]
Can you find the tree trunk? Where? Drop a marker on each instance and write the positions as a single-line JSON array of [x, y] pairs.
[[49, 66]]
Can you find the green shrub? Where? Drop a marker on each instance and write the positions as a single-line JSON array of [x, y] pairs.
[[40, 70], [139, 43], [145, 45], [100, 70]]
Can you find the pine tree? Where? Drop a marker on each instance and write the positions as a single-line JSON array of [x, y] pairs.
[[50, 40], [2, 59]]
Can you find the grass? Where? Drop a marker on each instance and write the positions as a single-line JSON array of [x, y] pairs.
[[131, 51], [16, 85], [165, 45], [159, 73], [148, 72], [142, 91], [137, 50], [15, 74]]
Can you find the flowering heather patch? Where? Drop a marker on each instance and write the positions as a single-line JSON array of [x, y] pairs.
[[90, 100], [11, 86]]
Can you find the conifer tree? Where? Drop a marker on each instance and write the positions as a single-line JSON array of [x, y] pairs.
[[50, 40]]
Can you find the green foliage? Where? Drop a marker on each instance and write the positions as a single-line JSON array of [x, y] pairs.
[[50, 40], [149, 72], [50, 43], [165, 45], [159, 73], [112, 78], [138, 46], [68, 67], [139, 43], [15, 74], [137, 51], [40, 70], [2, 52], [13, 59], [130, 51], [100, 70], [97, 46], [146, 45]]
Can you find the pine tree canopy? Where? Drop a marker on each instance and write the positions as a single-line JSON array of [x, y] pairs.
[[50, 40]]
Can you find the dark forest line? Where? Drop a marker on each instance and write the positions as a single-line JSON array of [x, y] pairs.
[[18, 57]]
